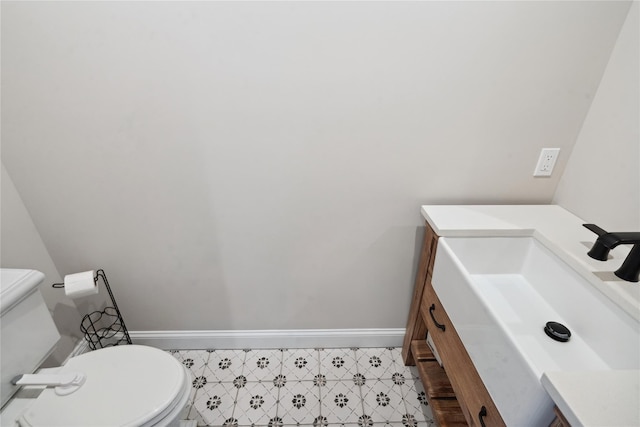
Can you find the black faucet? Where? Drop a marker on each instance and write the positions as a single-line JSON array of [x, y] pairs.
[[630, 268]]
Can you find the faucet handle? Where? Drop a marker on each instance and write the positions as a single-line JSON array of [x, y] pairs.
[[630, 268], [599, 231], [599, 250]]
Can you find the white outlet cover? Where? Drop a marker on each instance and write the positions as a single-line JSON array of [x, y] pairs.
[[546, 161]]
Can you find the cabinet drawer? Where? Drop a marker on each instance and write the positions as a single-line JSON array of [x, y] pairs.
[[474, 399]]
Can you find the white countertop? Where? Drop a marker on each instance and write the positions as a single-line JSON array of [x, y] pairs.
[[586, 398], [600, 398], [559, 230]]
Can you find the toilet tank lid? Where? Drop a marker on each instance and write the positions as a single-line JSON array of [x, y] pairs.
[[17, 284]]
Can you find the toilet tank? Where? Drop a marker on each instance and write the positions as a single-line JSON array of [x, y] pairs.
[[27, 332]]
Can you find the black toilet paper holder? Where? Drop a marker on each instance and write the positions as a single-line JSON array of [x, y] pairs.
[[103, 328]]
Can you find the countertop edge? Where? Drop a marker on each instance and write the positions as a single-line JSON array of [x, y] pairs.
[[600, 406], [556, 228]]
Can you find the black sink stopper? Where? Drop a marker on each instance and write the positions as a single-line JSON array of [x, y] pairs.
[[557, 331]]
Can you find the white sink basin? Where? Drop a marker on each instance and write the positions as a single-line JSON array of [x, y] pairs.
[[500, 292]]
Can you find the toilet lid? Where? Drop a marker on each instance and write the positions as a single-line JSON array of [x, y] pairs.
[[126, 386]]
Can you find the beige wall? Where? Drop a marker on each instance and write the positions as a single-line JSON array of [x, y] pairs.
[[261, 165], [22, 247], [601, 182]]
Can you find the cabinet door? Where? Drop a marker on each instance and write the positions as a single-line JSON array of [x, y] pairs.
[[475, 401]]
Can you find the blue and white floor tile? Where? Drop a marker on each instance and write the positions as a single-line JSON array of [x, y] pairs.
[[304, 387]]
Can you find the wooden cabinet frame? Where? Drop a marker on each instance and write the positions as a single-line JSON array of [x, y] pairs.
[[456, 393], [416, 328]]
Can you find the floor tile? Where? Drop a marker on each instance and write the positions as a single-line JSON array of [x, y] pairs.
[[383, 401], [341, 402], [262, 365], [214, 404], [299, 402], [375, 363], [406, 371], [195, 360], [300, 364], [423, 424], [186, 414], [256, 404], [396, 355], [338, 364], [414, 372], [359, 379], [415, 400], [367, 387], [224, 365], [410, 421]]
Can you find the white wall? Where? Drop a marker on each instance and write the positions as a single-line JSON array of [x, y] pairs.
[[261, 165], [22, 247], [601, 182]]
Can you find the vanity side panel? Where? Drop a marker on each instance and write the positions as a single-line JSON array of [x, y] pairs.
[[416, 328]]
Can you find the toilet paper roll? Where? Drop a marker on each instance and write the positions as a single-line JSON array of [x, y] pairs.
[[80, 284]]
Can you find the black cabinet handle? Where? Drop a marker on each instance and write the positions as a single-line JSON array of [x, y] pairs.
[[438, 325], [481, 415]]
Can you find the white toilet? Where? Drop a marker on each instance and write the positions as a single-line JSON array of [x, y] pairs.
[[129, 385]]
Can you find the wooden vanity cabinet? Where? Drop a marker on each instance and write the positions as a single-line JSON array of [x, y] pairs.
[[416, 328], [559, 420], [476, 403], [456, 393]]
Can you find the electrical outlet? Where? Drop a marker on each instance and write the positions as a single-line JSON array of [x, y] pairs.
[[546, 162]]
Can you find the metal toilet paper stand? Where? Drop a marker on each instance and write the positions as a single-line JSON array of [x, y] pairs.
[[103, 328]]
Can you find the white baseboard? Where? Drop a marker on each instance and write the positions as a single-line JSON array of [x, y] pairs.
[[295, 338], [82, 346]]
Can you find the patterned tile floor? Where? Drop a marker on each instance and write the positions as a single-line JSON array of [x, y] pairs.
[[314, 387]]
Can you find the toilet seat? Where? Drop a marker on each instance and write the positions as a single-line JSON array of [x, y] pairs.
[[127, 385]]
